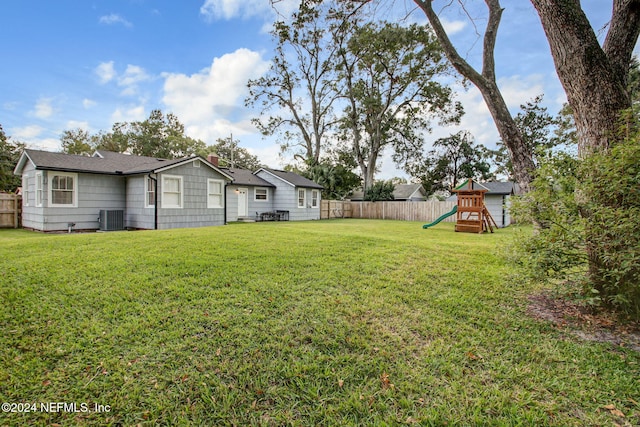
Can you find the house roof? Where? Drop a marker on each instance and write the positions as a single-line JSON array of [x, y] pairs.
[[291, 178], [400, 192], [493, 187], [498, 187], [102, 162], [246, 177], [407, 191]]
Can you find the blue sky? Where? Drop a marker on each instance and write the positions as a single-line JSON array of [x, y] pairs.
[[90, 63]]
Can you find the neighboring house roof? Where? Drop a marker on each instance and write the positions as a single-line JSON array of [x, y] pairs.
[[498, 187], [409, 191], [400, 192], [493, 187], [291, 178], [102, 162], [246, 177]]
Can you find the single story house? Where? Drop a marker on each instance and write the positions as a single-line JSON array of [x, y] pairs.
[[115, 191], [110, 191], [401, 193], [268, 192], [496, 199]]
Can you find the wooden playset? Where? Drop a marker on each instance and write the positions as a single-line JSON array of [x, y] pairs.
[[472, 214]]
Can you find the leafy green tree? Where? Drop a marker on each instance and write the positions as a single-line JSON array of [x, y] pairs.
[[485, 80], [9, 155], [77, 141], [380, 191], [338, 181], [298, 93], [391, 87], [588, 202], [540, 132], [159, 136], [453, 159], [231, 154]]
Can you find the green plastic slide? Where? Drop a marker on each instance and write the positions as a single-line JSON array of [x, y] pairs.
[[448, 214]]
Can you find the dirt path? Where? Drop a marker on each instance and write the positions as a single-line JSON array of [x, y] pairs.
[[581, 322]]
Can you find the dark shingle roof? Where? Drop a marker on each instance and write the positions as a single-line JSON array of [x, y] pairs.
[[405, 191], [492, 187], [246, 177], [293, 178], [497, 187], [105, 162], [102, 162]]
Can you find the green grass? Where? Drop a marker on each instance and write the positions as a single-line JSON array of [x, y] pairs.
[[344, 322]]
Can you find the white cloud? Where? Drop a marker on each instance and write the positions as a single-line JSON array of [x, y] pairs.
[[130, 79], [228, 9], [452, 27], [131, 114], [269, 154], [74, 124], [26, 132], [105, 72], [114, 19], [43, 108], [88, 103], [33, 137], [516, 90], [210, 103]]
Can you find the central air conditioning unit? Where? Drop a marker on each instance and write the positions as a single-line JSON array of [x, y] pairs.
[[111, 220]]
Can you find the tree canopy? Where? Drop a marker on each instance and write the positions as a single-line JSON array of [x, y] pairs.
[[9, 155], [230, 154], [453, 159], [392, 76], [160, 135], [298, 93]]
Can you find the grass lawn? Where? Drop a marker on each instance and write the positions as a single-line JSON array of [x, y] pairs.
[[342, 322]]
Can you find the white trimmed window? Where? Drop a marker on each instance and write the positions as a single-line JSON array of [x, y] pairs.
[[315, 198], [63, 189], [215, 193], [172, 192], [39, 186], [261, 195], [150, 192], [302, 198], [25, 190]]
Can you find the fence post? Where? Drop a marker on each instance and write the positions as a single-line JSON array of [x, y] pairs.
[[15, 212]]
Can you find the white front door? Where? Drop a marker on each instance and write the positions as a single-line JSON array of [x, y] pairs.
[[243, 200]]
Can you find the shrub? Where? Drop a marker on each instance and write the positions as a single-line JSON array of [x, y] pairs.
[[587, 216], [380, 191]]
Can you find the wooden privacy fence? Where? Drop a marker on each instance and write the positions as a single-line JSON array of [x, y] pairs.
[[403, 211], [10, 210], [335, 209]]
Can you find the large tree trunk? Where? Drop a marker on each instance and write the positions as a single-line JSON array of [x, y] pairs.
[[522, 159], [594, 79]]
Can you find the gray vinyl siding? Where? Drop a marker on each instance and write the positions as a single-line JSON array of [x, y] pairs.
[[95, 192], [286, 199], [254, 206], [31, 215], [136, 215], [306, 213], [194, 211], [496, 206]]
